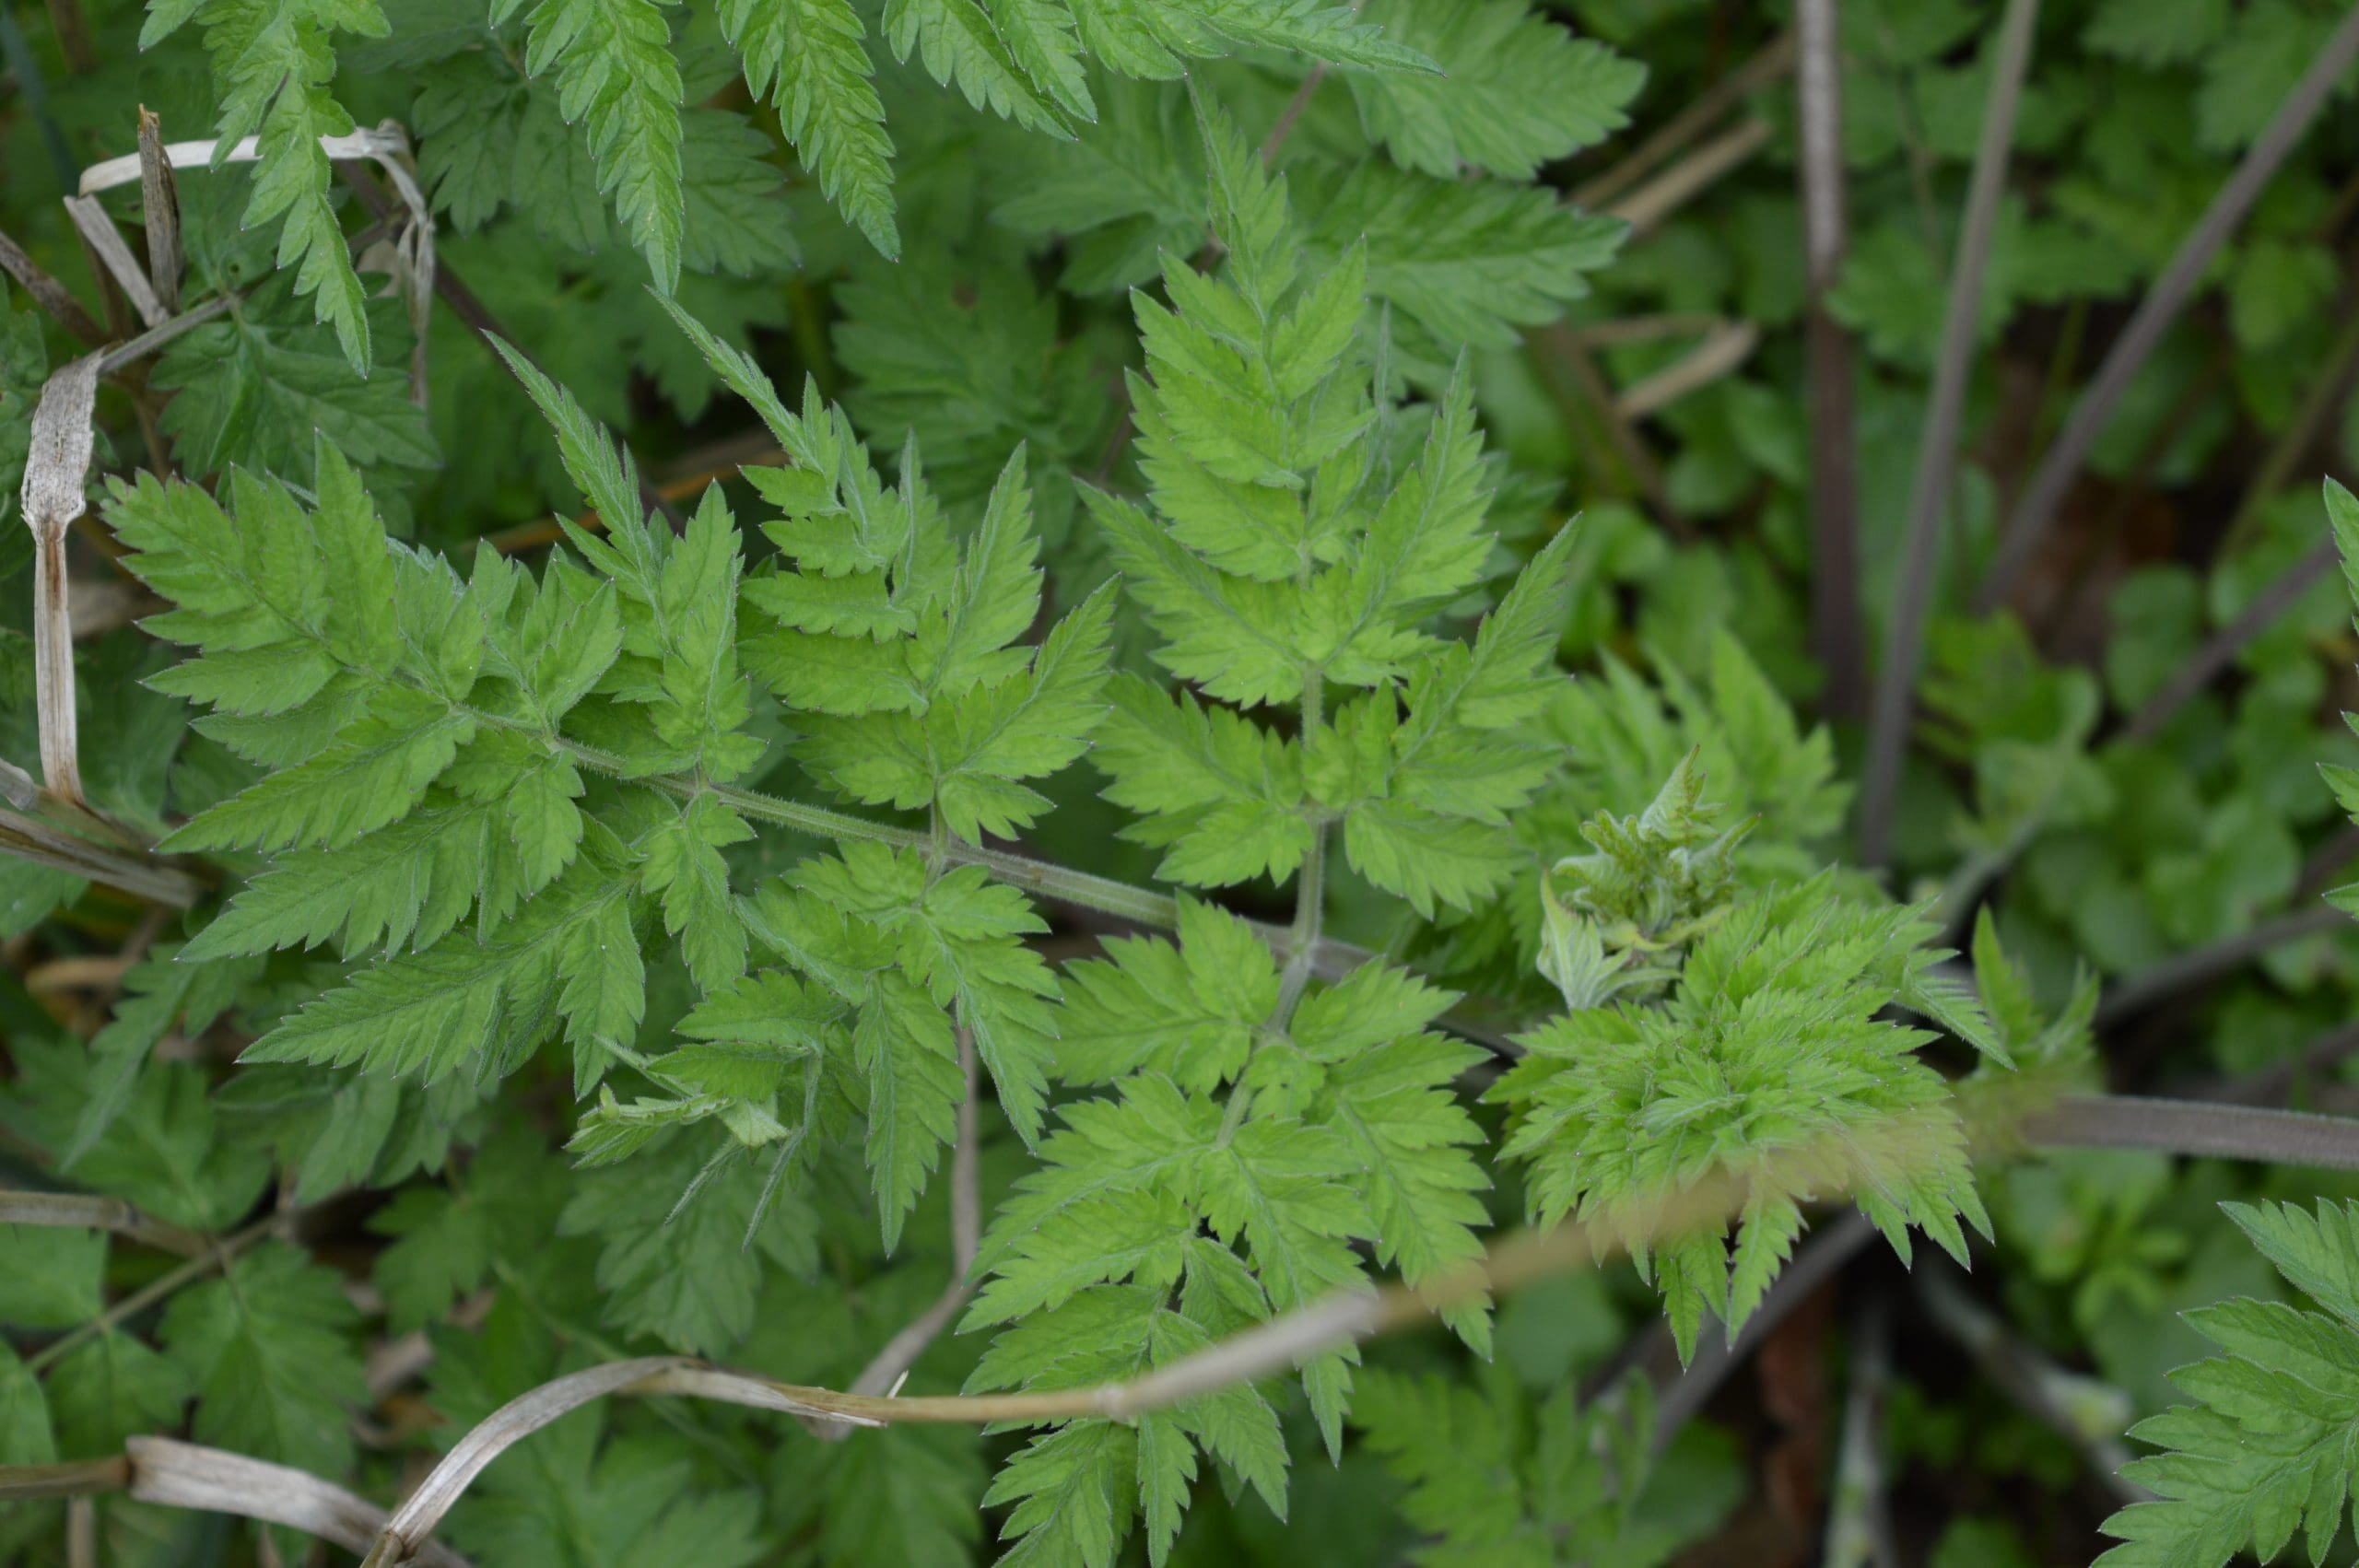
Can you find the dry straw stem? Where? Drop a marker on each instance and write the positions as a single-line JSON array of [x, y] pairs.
[[2004, 1114], [160, 202], [81, 1211], [1937, 447], [1726, 346], [1773, 62], [107, 244], [1646, 208], [184, 1474], [2027, 522], [56, 465]]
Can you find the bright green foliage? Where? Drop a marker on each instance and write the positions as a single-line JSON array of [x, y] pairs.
[[1288, 551], [808, 57], [263, 385], [898, 961], [434, 741], [447, 1241], [616, 77], [1620, 918], [621, 84], [354, 670], [56, 1282], [1241, 1156], [1516, 91], [274, 61], [2265, 1450], [1768, 1066], [1625, 739], [900, 645]]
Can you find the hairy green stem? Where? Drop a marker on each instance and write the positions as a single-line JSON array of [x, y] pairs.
[[2197, 1129]]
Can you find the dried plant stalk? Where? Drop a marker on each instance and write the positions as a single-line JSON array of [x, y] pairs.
[[185, 1475], [54, 468], [107, 244], [49, 294], [159, 200]]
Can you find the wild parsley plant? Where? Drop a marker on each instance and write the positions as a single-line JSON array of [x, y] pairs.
[[1073, 781]]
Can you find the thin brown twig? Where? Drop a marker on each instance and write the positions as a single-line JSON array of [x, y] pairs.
[[2027, 522], [1837, 638], [1283, 128], [160, 202], [1561, 344], [49, 294], [2220, 649], [464, 304], [1937, 445], [2200, 966]]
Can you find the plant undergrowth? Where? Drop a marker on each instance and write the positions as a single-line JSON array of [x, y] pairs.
[[804, 782]]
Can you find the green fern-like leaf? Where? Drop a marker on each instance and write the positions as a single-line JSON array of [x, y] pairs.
[[2265, 1449], [617, 76], [272, 64], [1768, 1063]]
